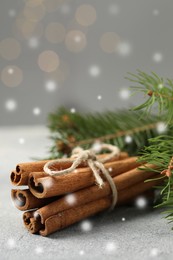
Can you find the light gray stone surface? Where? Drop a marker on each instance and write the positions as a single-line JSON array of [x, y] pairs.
[[144, 235]]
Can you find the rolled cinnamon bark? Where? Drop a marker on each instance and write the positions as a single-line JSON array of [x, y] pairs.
[[20, 175], [43, 186], [86, 195], [93, 193], [33, 220], [25, 200]]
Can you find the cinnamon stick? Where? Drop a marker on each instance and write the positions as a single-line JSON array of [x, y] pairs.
[[92, 193], [25, 200], [123, 182], [20, 175], [43, 185], [33, 222]]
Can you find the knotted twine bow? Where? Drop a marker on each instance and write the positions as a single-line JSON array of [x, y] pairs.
[[96, 165]]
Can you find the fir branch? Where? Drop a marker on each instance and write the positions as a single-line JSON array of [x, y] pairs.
[[76, 129], [158, 91], [160, 149]]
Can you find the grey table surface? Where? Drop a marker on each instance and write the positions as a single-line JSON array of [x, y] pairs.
[[143, 235]]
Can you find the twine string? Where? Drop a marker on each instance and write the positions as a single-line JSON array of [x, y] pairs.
[[95, 164]]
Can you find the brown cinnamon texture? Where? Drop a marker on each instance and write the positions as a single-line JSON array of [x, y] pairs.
[[93, 193], [43, 186], [32, 220], [20, 175], [25, 200]]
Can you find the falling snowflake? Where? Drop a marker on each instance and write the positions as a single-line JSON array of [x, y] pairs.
[[99, 97], [11, 243], [111, 247], [81, 252], [110, 169], [39, 250], [50, 86], [124, 93], [70, 199], [141, 202], [86, 226], [128, 139], [154, 252], [21, 140], [48, 183], [161, 127], [124, 49], [11, 105], [157, 57], [160, 86], [33, 42], [94, 71], [96, 147], [123, 219], [36, 215], [36, 111], [73, 110]]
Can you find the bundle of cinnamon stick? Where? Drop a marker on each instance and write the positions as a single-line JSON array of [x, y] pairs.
[[52, 203]]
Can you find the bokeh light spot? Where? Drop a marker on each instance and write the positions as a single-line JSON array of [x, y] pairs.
[[55, 32], [10, 48], [85, 15], [109, 42], [75, 41], [48, 61], [12, 76]]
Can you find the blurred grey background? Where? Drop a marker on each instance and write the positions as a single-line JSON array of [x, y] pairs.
[[77, 53]]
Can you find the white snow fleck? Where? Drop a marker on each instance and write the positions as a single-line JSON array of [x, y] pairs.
[[111, 247], [124, 93], [154, 252], [128, 139], [141, 202], [161, 127], [50, 86], [157, 57], [33, 42], [70, 199], [36, 111], [123, 219], [86, 226], [94, 71], [21, 140], [73, 110], [96, 147], [160, 86], [11, 105], [11, 243], [99, 97], [81, 252], [39, 250], [124, 49]]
